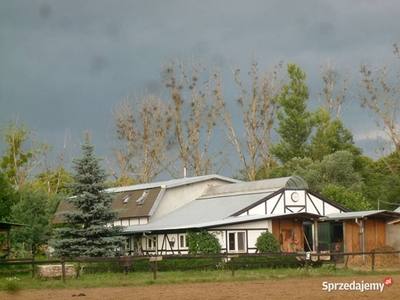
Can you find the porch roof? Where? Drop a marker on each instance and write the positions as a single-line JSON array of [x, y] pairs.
[[152, 227], [8, 225], [385, 214]]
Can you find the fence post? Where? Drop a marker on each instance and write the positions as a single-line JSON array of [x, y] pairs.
[[155, 270], [347, 261], [33, 266], [63, 269], [78, 272], [373, 260], [233, 266]]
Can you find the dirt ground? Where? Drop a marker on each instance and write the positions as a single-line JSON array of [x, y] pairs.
[[293, 289]]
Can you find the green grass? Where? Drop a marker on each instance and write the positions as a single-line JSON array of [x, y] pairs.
[[113, 279]]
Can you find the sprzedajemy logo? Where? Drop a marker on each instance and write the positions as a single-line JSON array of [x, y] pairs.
[[357, 286]]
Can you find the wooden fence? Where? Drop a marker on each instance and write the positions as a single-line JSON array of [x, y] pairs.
[[125, 263]]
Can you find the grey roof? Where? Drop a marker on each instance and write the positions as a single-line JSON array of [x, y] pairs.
[[202, 210], [397, 209], [171, 183], [292, 182], [231, 220], [362, 214]]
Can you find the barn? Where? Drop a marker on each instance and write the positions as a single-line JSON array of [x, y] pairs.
[[237, 213], [157, 216]]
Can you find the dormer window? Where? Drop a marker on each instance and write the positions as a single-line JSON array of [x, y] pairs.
[[142, 198], [126, 198]]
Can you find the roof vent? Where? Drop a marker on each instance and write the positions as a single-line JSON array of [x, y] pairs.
[[142, 198]]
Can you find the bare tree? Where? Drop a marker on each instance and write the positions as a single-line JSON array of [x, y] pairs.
[[194, 115], [258, 106], [333, 96], [380, 95], [142, 129]]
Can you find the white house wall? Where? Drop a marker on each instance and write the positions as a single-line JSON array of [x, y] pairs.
[[174, 198], [284, 203], [318, 206]]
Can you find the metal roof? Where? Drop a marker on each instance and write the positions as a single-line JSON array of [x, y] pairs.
[[171, 183], [202, 211], [293, 182], [363, 214]]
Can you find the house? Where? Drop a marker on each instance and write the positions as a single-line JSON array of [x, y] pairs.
[[143, 203], [238, 213], [157, 216]]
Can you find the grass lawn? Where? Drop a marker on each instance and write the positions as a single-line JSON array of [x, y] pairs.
[[24, 281]]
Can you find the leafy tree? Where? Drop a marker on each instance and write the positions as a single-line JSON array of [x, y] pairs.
[[19, 158], [352, 200], [7, 197], [97, 236], [295, 121], [203, 242], [267, 243], [330, 136], [35, 210]]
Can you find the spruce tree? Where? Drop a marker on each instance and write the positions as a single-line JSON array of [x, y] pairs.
[[90, 231]]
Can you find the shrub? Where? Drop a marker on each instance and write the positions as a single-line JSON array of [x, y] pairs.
[[267, 243], [203, 242]]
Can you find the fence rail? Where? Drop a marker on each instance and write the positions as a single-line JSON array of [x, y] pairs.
[[126, 262]]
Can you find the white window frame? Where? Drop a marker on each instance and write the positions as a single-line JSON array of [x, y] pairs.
[[151, 244], [184, 245], [233, 246]]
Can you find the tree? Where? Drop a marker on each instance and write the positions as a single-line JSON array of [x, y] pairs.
[[337, 169], [380, 96], [333, 97], [194, 114], [352, 200], [53, 178], [295, 122], [267, 243], [330, 136], [258, 106], [142, 129], [96, 236], [20, 158], [7, 197], [35, 210]]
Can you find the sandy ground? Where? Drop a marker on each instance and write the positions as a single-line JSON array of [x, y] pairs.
[[292, 289]]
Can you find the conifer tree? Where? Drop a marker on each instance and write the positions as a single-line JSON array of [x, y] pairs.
[[295, 121], [91, 232]]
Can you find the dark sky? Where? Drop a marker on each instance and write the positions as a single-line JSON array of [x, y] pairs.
[[67, 64]]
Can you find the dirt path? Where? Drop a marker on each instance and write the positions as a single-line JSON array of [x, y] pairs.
[[292, 289]]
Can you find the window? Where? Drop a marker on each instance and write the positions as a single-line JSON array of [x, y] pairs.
[[126, 198], [142, 198], [151, 243], [183, 241], [237, 241]]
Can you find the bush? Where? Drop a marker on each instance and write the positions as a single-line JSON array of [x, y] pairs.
[[267, 243], [203, 242]]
